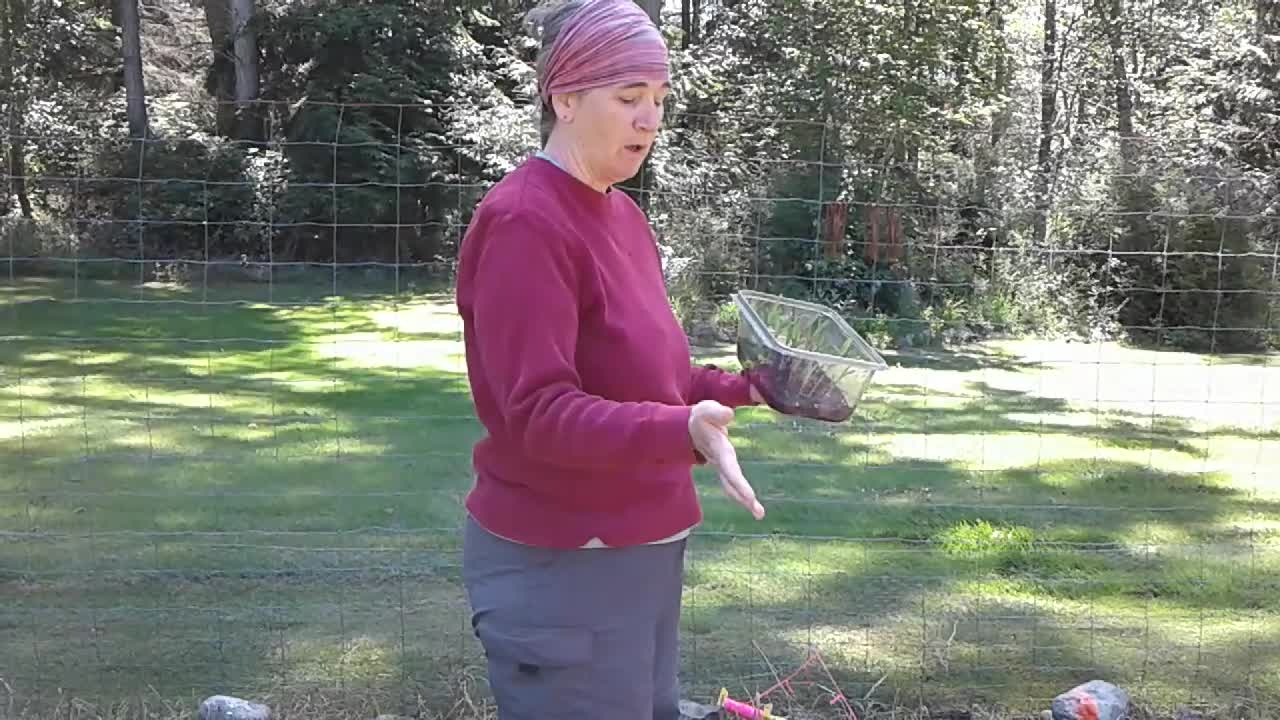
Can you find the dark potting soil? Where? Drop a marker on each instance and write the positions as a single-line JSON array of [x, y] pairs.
[[793, 386]]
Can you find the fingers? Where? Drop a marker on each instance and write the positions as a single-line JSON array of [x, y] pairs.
[[713, 439], [714, 413], [739, 490], [732, 480]]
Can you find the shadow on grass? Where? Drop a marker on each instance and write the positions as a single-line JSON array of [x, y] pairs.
[[901, 568], [239, 498], [236, 498], [907, 420], [966, 359], [995, 410], [987, 609]]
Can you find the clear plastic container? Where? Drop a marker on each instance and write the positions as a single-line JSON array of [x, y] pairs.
[[803, 357]]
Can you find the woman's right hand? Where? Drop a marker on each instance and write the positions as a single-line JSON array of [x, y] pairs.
[[708, 428]]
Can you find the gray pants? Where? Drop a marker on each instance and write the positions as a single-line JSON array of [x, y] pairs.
[[572, 634]]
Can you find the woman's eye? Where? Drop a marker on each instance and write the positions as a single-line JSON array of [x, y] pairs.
[[627, 100]]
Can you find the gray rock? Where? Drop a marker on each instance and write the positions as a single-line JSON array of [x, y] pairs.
[[225, 707], [1094, 700], [690, 710]]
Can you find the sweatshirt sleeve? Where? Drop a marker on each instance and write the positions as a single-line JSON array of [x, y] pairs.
[[707, 382], [525, 306]]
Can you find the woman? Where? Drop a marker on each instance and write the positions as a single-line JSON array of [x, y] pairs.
[[574, 547]]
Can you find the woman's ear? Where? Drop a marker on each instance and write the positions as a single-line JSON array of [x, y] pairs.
[[565, 105]]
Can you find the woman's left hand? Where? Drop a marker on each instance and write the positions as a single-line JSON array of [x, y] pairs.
[[708, 428]]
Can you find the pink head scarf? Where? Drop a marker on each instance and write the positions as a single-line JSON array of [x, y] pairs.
[[606, 42]]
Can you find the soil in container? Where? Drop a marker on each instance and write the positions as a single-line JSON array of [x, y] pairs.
[[793, 386]]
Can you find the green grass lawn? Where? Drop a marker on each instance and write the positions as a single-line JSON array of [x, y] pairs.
[[255, 489]]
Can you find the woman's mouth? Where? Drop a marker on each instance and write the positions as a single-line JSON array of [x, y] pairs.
[[637, 149]]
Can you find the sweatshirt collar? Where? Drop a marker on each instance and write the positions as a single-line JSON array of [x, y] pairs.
[[579, 190]]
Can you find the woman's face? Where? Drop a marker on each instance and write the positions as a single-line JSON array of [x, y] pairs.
[[615, 127]]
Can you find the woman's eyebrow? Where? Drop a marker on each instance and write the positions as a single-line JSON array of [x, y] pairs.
[[640, 84]]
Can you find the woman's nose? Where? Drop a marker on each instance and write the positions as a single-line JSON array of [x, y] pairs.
[[648, 117]]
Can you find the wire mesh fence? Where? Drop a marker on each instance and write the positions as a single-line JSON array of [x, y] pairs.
[[236, 430]]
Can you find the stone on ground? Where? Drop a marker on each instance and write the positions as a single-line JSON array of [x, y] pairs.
[[225, 707], [1094, 700]]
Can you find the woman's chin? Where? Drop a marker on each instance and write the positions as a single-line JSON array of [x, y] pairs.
[[629, 165]]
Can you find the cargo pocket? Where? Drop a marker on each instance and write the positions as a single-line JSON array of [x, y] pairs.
[[538, 672]]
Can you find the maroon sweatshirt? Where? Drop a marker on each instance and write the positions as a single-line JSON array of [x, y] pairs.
[[579, 370]]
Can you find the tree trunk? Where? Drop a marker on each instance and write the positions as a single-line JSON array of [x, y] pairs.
[[685, 17], [1143, 308], [6, 100], [221, 79], [690, 22], [1123, 93], [18, 158], [1003, 118], [988, 153], [135, 88], [654, 10], [1267, 18], [1131, 191], [1048, 119], [15, 28], [245, 46]]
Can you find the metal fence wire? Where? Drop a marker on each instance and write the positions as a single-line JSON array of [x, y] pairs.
[[236, 432]]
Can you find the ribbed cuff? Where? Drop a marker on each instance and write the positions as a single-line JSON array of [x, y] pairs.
[[671, 435]]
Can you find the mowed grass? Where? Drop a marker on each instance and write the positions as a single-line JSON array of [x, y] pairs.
[[256, 489]]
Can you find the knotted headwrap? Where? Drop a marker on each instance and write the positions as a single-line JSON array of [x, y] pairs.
[[605, 43]]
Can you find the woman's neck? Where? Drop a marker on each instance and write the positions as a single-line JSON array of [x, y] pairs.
[[567, 157]]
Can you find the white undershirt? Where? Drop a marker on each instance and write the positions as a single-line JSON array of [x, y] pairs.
[[595, 542]]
